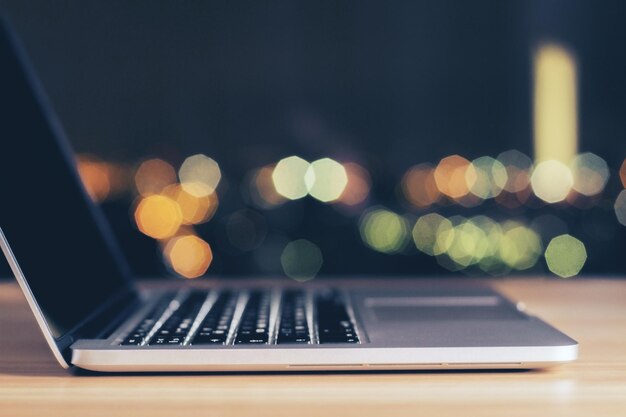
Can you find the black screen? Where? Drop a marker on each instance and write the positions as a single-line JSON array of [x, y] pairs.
[[51, 226]]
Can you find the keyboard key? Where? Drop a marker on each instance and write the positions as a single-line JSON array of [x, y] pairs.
[[254, 325], [214, 327], [176, 327], [293, 326], [333, 322], [137, 336]]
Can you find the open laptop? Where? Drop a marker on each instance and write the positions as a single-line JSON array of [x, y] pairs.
[[93, 316]]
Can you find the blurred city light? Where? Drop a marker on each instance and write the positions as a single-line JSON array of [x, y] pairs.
[[622, 173], [288, 177], [620, 207], [158, 216], [487, 178], [433, 234], [95, 176], [261, 189], [555, 104], [153, 175], [199, 175], [520, 246], [189, 256], [452, 177], [246, 229], [326, 179], [419, 187], [590, 173], [301, 260], [565, 256], [358, 187], [518, 169], [552, 181], [196, 207], [383, 230]]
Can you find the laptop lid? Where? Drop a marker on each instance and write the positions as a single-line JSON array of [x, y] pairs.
[[57, 242]]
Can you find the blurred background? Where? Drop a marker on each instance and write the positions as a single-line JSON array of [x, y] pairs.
[[407, 138]]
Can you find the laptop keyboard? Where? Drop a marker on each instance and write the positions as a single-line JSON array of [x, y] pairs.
[[257, 317]]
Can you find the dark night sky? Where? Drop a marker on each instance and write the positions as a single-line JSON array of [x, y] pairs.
[[386, 83]]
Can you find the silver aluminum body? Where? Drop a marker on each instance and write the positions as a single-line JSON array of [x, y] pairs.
[[392, 340]]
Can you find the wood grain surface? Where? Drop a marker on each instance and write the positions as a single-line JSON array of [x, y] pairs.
[[593, 311]]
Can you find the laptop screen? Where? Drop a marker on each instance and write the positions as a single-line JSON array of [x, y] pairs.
[[46, 217]]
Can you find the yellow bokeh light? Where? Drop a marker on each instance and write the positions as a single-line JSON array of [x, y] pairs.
[[358, 187], [552, 181], [158, 216], [195, 207], [419, 187], [452, 176], [565, 256], [188, 255], [520, 246], [288, 177], [488, 177], [153, 175], [326, 179], [590, 172], [384, 231], [200, 175], [301, 260], [433, 234], [555, 104], [95, 176], [620, 207]]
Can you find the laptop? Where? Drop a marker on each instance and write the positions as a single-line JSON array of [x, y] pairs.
[[95, 317]]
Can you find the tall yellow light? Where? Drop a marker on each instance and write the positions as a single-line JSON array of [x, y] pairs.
[[555, 104]]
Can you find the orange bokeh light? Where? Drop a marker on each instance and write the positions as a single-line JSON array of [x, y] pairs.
[[263, 191], [453, 176], [419, 186], [622, 173], [158, 216], [96, 177], [358, 186], [196, 208], [153, 175], [188, 255]]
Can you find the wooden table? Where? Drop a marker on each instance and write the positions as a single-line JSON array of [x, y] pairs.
[[591, 311]]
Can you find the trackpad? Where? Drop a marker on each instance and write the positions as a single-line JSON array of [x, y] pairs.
[[415, 309]]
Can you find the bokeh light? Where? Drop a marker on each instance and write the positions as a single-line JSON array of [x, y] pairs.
[[419, 187], [451, 176], [433, 234], [565, 256], [487, 178], [518, 169], [301, 260], [520, 246], [246, 229], [196, 207], [288, 177], [158, 216], [261, 189], [189, 256], [358, 186], [326, 179], [620, 207], [153, 175], [552, 181], [199, 175], [590, 173], [384, 230], [95, 176], [622, 173]]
